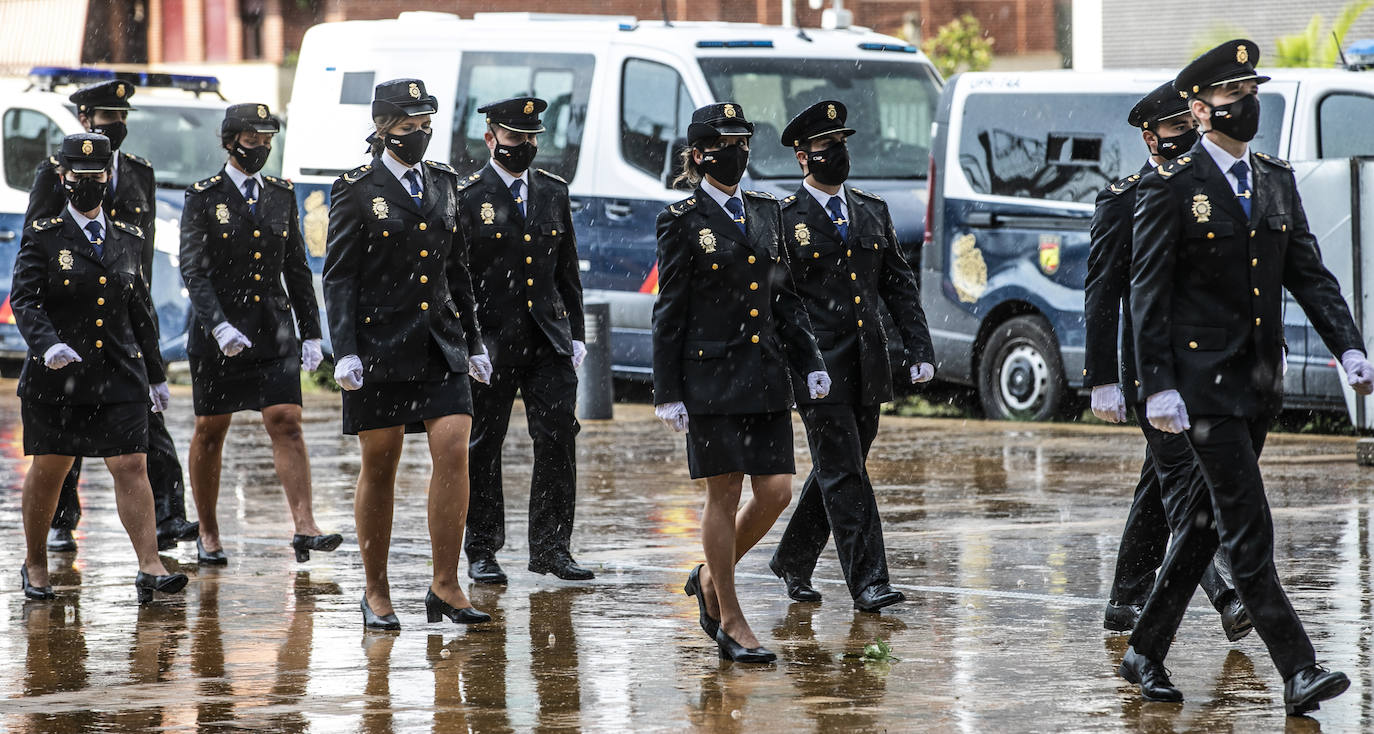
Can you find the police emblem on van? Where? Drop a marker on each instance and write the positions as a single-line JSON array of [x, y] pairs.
[[487, 213], [707, 239], [969, 275], [1202, 208], [316, 223], [1049, 253], [803, 235], [222, 213], [380, 208]]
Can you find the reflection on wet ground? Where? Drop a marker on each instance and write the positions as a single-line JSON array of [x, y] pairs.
[[1003, 536]]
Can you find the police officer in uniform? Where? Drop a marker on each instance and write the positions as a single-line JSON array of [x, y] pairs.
[[93, 364], [846, 266], [1168, 130], [518, 226], [103, 108], [240, 234], [1220, 233]]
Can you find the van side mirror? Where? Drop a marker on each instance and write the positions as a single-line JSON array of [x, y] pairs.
[[672, 168]]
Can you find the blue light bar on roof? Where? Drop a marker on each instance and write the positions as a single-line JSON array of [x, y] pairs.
[[48, 77], [888, 47], [734, 44]]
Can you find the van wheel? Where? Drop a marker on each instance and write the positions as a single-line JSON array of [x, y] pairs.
[[1021, 375]]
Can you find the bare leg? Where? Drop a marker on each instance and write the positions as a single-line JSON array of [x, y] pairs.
[[448, 502], [372, 507], [42, 485], [204, 456], [283, 423], [134, 500], [771, 495], [718, 544]]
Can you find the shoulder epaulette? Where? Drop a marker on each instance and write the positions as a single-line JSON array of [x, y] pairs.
[[41, 224], [1174, 166], [682, 207], [446, 168], [140, 161], [469, 180], [860, 192], [1124, 184], [553, 176], [280, 182], [789, 201], [1281, 163], [761, 195], [204, 184], [356, 174], [131, 229]]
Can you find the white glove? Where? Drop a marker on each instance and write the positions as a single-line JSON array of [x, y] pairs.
[[673, 415], [311, 354], [479, 366], [159, 396], [579, 353], [1284, 353], [1109, 404], [348, 372], [922, 372], [1358, 372], [60, 355], [818, 384], [1166, 412], [231, 340]]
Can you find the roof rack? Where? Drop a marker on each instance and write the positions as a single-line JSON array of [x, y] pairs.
[[48, 78]]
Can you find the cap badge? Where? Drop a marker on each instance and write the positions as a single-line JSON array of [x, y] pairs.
[[415, 90], [380, 208], [119, 91], [64, 259], [708, 241], [86, 147], [803, 235], [222, 213], [729, 110], [1242, 54], [262, 111], [1202, 209], [487, 213], [830, 111], [529, 106]]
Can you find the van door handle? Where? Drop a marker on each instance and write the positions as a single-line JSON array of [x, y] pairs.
[[616, 210], [575, 204], [6, 235], [982, 219]]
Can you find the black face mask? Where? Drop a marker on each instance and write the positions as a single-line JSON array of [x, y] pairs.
[[115, 131], [251, 159], [830, 167], [725, 165], [1239, 119], [516, 158], [1171, 148], [410, 148], [85, 194]]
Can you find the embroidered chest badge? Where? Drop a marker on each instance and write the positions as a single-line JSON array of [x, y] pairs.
[[380, 208], [1202, 209], [707, 238], [803, 235], [64, 259], [487, 213], [222, 213]]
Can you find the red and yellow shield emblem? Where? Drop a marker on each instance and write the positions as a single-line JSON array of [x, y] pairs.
[[1049, 254]]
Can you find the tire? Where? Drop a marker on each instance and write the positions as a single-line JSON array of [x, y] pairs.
[[1021, 374]]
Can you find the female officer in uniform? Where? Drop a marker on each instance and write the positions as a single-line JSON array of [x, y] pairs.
[[239, 236], [727, 326], [394, 267], [93, 353]]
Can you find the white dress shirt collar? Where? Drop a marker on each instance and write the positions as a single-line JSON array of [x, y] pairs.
[[82, 220], [399, 170], [720, 197], [1225, 160], [508, 179], [238, 177], [824, 199]]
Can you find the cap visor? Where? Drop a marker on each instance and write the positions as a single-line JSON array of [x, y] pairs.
[[85, 166], [846, 130], [1172, 115], [1258, 80], [422, 106], [109, 107], [527, 130], [733, 128], [265, 127]]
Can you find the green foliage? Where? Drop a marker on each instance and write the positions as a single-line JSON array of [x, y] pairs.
[[959, 45], [1314, 47], [878, 651], [1214, 36]]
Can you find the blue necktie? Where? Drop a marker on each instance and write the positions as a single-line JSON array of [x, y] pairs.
[[250, 195], [97, 238], [837, 216], [1242, 174], [736, 209], [515, 194], [413, 178]]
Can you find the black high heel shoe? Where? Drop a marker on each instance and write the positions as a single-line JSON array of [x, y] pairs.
[[37, 593], [693, 588], [436, 609], [146, 583], [210, 558], [378, 621], [306, 543], [735, 652]]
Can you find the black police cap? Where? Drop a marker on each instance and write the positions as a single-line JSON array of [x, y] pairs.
[[111, 95], [1233, 61], [823, 118], [1161, 104], [403, 96], [517, 114], [85, 153], [714, 120], [251, 116]]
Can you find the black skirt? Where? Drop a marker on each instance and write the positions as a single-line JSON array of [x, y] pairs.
[[219, 385], [112, 429], [756, 444], [386, 404]]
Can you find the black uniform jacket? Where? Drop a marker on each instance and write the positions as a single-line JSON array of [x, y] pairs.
[[64, 293], [524, 269], [728, 322], [396, 274], [1207, 284], [1108, 290], [233, 263], [845, 286], [132, 199]]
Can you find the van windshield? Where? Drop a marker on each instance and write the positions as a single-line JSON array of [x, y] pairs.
[[891, 105]]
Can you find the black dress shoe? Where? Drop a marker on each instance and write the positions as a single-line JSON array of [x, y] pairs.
[[735, 652], [177, 529], [436, 609], [798, 587], [1235, 619], [306, 543], [146, 583], [210, 558], [486, 571], [1121, 617], [878, 596], [378, 622], [60, 540], [564, 567], [38, 593], [1151, 676], [1309, 687], [693, 588]]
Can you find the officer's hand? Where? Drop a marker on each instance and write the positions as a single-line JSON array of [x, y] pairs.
[[231, 340], [673, 415], [1109, 404], [579, 353], [922, 372], [348, 372], [1166, 412], [818, 384], [312, 353], [479, 366], [60, 355], [1358, 372], [159, 396]]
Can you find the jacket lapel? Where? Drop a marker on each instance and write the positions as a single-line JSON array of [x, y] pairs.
[[386, 185], [1215, 186], [1257, 200], [719, 221], [815, 217], [532, 194], [80, 239], [430, 196], [233, 195]]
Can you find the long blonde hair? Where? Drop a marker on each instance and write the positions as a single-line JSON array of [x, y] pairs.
[[383, 123], [690, 175]]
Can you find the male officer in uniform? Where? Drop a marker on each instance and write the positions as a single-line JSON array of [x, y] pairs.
[[1168, 131], [1219, 234], [523, 256], [104, 108], [847, 267]]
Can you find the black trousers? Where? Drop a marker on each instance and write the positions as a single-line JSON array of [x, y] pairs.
[[1168, 476], [837, 497], [164, 473], [1232, 511], [548, 385]]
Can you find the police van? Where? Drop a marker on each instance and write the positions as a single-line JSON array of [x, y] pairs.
[[621, 93], [1017, 161]]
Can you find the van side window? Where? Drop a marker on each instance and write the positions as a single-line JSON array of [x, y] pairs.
[[562, 80], [356, 87], [654, 111], [1336, 136], [29, 137]]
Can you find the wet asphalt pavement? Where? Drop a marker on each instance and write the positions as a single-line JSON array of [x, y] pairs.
[[1003, 537]]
